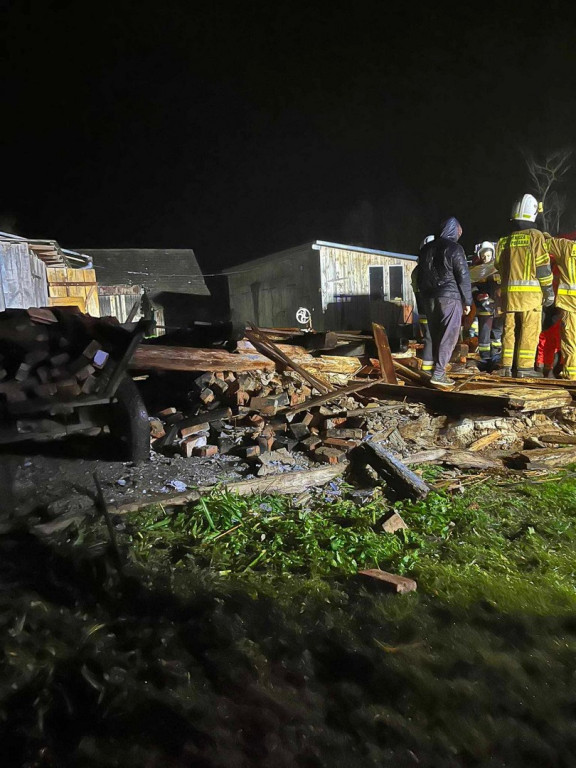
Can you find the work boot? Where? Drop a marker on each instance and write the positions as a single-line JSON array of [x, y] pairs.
[[503, 372], [528, 373], [442, 380]]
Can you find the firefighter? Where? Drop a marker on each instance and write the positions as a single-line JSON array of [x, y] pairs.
[[486, 294], [564, 254], [526, 283], [427, 360]]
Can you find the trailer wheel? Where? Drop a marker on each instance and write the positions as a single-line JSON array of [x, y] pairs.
[[129, 424]]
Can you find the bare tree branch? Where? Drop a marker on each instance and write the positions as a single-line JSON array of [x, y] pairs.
[[545, 175]]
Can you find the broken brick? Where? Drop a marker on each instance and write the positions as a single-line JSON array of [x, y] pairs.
[[329, 455], [194, 429]]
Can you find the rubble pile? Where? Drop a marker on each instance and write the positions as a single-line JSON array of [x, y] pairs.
[[271, 420], [57, 354]]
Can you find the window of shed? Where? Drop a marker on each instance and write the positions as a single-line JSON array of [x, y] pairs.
[[376, 283], [396, 281]]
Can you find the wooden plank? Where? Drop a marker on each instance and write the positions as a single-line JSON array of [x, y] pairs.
[[498, 381], [484, 442], [529, 398], [559, 438], [323, 364], [460, 459], [287, 483], [384, 353], [545, 457], [321, 399], [267, 347], [161, 358], [391, 581], [493, 400], [411, 374], [394, 472]]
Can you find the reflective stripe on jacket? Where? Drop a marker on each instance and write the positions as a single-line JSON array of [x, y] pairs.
[[524, 266], [564, 252]]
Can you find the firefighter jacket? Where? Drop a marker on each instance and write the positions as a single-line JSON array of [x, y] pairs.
[[524, 266], [564, 254]]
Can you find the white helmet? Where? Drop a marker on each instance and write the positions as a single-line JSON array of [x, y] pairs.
[[525, 209], [427, 239], [485, 251]]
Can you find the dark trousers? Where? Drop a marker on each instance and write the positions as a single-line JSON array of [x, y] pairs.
[[485, 322], [444, 321], [426, 356], [489, 335]]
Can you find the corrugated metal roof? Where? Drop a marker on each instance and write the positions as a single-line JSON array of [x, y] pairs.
[[158, 270], [50, 252]]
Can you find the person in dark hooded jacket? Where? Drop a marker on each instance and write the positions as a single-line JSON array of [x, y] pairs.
[[445, 290]]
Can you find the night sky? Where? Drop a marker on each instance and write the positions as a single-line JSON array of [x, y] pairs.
[[242, 128]]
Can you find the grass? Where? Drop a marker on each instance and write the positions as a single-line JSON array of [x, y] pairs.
[[512, 546], [239, 636]]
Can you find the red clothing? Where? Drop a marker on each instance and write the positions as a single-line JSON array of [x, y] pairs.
[[548, 345]]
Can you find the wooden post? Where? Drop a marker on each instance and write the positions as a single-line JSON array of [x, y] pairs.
[[396, 474], [384, 354]]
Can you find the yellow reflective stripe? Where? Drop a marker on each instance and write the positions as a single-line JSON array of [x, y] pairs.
[[566, 292], [545, 281], [484, 314], [572, 270], [525, 288], [424, 321], [541, 261]]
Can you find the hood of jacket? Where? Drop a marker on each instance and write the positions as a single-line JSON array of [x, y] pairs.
[[450, 229]]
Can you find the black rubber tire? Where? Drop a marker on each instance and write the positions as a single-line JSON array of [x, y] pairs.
[[129, 424]]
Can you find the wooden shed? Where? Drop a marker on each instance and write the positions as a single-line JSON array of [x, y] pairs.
[[39, 273], [170, 279], [345, 287], [73, 287]]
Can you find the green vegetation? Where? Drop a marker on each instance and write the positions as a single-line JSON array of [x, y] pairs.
[[513, 545], [206, 652]]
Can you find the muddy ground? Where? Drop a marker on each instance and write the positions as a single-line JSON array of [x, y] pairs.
[[50, 480]]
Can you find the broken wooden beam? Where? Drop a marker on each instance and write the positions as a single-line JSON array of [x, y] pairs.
[[543, 457], [394, 472], [286, 483], [558, 438], [161, 358], [384, 353], [267, 347], [460, 459]]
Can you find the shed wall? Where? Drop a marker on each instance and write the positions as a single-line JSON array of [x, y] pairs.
[[23, 282], [270, 290], [74, 287], [345, 287]]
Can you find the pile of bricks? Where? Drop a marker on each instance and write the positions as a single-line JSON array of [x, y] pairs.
[[50, 355], [254, 415]]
